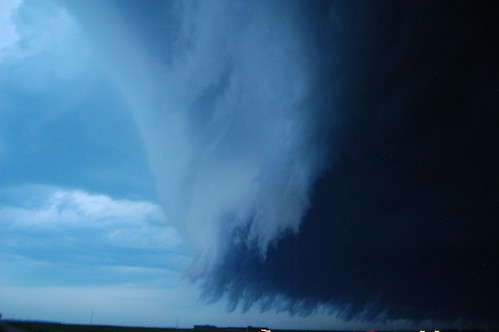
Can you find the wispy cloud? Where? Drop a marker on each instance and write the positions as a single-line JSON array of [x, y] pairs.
[[83, 209]]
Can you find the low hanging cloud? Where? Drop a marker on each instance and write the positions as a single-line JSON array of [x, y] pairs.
[[333, 156], [75, 227]]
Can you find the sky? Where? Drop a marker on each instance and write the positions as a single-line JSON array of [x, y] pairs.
[[289, 164]]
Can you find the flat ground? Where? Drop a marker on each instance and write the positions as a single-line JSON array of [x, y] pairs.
[[24, 326]]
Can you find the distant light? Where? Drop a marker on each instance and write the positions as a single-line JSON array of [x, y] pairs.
[[371, 331], [421, 330], [266, 330], [437, 330]]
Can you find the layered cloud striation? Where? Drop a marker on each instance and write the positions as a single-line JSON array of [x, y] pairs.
[[329, 156]]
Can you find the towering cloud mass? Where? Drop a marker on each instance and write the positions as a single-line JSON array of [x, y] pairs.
[[337, 155], [238, 142], [231, 118]]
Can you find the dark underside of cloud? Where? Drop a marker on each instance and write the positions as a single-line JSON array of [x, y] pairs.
[[404, 223]]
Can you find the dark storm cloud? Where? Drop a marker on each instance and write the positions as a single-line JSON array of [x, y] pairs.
[[320, 155], [404, 225]]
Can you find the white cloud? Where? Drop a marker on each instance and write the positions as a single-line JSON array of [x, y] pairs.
[[72, 207], [80, 228]]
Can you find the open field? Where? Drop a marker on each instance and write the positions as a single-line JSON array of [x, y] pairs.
[[15, 326]]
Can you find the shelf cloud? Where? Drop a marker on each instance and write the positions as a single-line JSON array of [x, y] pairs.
[[326, 157]]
